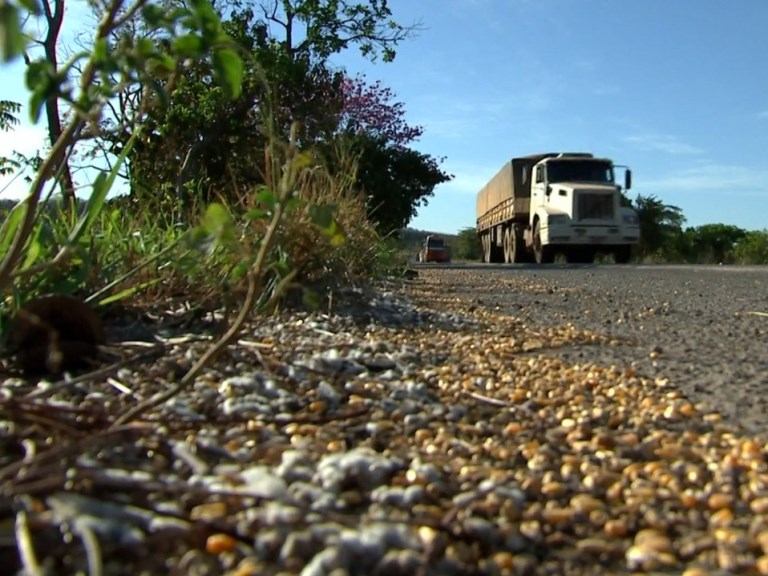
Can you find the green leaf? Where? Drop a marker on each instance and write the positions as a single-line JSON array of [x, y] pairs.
[[100, 53], [292, 205], [12, 41], [153, 14], [32, 6], [302, 161], [10, 225], [239, 271], [188, 45], [255, 214], [323, 217], [145, 48], [206, 20], [162, 64], [128, 292], [40, 80], [228, 71], [218, 225], [266, 198], [34, 248]]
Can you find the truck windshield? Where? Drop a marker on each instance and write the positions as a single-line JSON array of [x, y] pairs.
[[435, 243], [579, 171]]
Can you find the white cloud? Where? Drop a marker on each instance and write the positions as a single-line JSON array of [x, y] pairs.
[[662, 143], [731, 180]]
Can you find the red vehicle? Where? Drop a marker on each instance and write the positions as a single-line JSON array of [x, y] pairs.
[[434, 250]]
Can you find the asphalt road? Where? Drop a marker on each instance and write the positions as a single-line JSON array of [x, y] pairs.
[[705, 328]]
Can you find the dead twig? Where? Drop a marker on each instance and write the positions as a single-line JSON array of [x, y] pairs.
[[92, 549], [10, 471], [488, 399], [231, 335], [95, 374], [26, 548]]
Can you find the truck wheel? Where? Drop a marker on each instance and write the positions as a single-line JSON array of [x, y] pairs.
[[543, 254], [519, 252], [514, 245], [485, 240], [509, 246]]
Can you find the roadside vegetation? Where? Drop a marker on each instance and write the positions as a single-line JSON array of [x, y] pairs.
[[226, 155], [665, 239], [228, 158]]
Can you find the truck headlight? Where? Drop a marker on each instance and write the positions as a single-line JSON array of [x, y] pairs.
[[630, 218], [557, 219]]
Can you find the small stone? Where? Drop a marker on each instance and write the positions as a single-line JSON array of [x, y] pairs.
[[398, 563]]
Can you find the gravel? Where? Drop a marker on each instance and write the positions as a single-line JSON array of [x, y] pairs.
[[474, 421], [693, 325]]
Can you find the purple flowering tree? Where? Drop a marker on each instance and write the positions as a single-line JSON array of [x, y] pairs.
[[396, 178], [370, 109]]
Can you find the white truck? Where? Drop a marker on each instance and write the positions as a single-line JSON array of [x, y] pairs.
[[542, 205]]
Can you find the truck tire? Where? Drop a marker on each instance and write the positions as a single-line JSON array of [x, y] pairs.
[[509, 246], [543, 254], [514, 245], [485, 242], [520, 252]]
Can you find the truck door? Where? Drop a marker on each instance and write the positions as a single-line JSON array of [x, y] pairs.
[[538, 189]]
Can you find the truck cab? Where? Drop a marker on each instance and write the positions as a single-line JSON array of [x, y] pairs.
[[577, 208]]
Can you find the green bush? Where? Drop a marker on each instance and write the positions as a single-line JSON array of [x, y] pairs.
[[752, 248]]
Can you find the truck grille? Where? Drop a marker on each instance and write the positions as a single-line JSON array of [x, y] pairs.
[[594, 207]]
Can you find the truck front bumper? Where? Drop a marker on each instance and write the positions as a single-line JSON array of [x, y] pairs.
[[590, 235]]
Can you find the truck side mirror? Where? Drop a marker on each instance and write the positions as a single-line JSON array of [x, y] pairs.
[[628, 179]]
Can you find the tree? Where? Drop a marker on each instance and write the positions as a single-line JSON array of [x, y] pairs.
[[395, 180], [198, 141], [203, 141], [8, 120], [326, 28], [713, 243], [468, 245], [660, 228], [370, 109], [752, 248], [53, 12]]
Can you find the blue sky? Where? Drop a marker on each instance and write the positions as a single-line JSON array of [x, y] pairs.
[[677, 90]]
